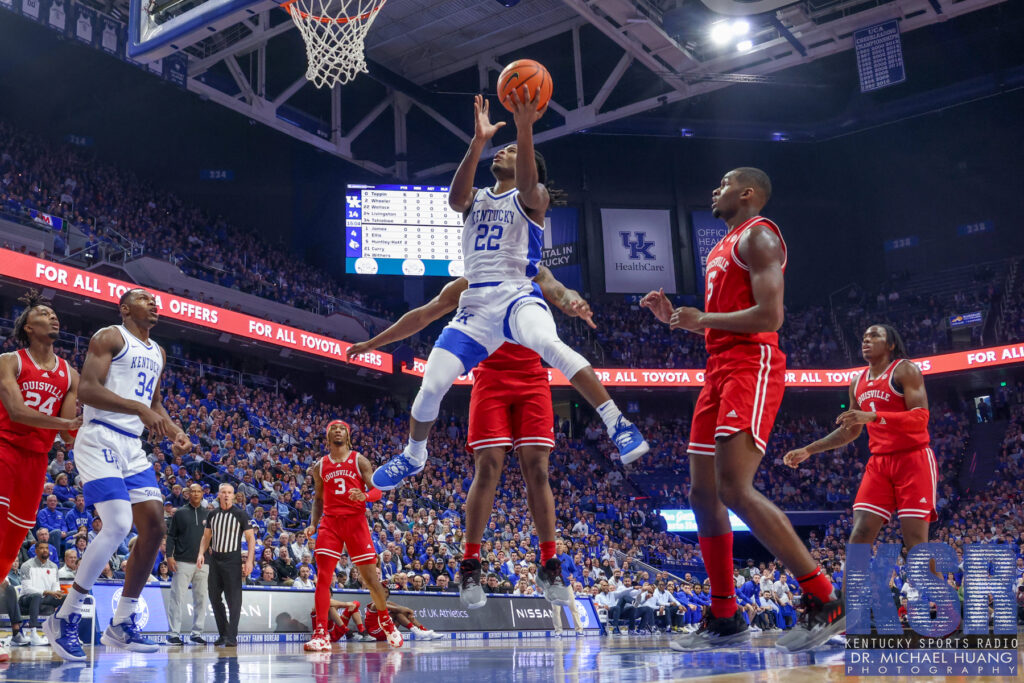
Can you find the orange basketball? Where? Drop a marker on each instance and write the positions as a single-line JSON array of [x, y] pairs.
[[529, 73]]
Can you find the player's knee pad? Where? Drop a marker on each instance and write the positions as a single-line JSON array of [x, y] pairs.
[[443, 368]]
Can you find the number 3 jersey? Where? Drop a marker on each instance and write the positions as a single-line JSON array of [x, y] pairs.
[[339, 478], [499, 242], [134, 374], [43, 390]]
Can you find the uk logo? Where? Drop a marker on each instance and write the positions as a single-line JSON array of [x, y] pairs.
[[640, 247], [462, 317]]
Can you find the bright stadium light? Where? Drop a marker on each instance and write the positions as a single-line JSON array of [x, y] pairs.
[[721, 33], [745, 45], [740, 27]]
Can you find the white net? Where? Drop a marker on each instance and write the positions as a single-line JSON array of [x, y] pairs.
[[334, 31]]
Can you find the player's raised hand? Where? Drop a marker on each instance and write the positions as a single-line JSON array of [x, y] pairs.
[[484, 129], [794, 458], [658, 304], [359, 349], [524, 107]]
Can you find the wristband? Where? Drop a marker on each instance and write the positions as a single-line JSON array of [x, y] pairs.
[[373, 495]]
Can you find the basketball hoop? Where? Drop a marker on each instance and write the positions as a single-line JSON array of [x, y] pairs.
[[334, 31]]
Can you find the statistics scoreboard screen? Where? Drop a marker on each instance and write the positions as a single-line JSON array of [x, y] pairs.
[[402, 230]]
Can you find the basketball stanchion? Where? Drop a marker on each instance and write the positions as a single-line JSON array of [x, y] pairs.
[[89, 610]]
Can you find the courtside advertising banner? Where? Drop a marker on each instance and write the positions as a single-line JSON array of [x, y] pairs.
[[958, 361], [101, 288], [287, 610], [638, 255]]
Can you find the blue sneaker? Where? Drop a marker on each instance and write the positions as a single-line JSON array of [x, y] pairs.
[[127, 636], [390, 474], [63, 637], [628, 440]]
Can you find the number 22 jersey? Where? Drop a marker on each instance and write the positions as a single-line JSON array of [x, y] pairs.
[[499, 242]]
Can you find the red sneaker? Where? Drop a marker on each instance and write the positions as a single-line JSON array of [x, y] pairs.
[[319, 642], [394, 637]]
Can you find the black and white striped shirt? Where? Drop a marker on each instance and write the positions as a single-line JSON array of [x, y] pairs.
[[228, 526]]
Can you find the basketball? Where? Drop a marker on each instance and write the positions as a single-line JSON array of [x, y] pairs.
[[529, 73]]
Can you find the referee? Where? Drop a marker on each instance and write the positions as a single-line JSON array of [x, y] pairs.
[[224, 530]]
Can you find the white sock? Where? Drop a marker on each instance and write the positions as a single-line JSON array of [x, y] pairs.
[[417, 450], [72, 604], [610, 413], [125, 609]]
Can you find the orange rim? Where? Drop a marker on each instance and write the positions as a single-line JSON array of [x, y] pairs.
[[328, 20]]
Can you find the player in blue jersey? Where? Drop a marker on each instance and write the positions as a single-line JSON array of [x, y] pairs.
[[501, 247], [120, 388]]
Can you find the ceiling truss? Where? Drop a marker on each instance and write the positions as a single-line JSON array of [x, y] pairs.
[[796, 38]]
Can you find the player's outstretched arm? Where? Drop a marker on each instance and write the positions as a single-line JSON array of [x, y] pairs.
[[415, 320], [70, 407], [461, 192], [568, 301], [839, 437], [180, 442], [761, 249], [318, 500], [14, 404], [532, 194]]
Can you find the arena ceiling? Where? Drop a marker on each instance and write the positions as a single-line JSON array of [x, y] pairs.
[[621, 66]]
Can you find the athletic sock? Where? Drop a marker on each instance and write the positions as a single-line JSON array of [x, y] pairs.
[[125, 609], [72, 603], [360, 628], [547, 551], [816, 584], [417, 450], [610, 413], [717, 554], [472, 551]]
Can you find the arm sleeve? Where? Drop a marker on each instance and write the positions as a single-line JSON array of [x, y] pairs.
[[909, 420], [373, 495]]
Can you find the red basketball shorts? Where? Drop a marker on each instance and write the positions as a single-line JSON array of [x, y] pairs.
[[903, 483], [743, 388], [336, 534], [511, 410], [22, 477], [372, 624]]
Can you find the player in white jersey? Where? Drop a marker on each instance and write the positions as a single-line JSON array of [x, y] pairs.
[[120, 388], [501, 247]]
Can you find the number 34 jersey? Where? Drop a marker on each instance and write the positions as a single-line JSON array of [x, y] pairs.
[[499, 242], [41, 389], [134, 374]]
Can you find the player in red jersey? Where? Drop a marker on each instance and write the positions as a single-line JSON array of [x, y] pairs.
[[338, 617], [510, 409], [901, 475], [735, 413], [342, 482], [404, 616], [38, 399]]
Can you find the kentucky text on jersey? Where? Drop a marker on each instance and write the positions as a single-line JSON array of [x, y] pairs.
[[145, 363], [492, 215]]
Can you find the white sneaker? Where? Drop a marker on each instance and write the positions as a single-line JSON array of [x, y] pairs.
[[37, 638], [19, 639], [5, 652]]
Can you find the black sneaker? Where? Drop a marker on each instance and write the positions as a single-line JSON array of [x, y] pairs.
[[199, 640], [714, 632], [816, 625], [471, 591], [174, 640], [219, 642], [230, 642], [549, 580]]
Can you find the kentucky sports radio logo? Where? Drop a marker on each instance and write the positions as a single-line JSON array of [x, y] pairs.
[[639, 247], [141, 609]]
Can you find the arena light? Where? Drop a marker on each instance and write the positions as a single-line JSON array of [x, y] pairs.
[[740, 27], [745, 46], [721, 33]]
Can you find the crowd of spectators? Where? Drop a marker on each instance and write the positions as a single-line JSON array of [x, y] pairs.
[[113, 204]]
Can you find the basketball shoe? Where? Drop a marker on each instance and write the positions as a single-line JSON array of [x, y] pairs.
[[714, 632], [390, 475], [127, 636], [471, 592], [816, 626], [549, 580], [319, 641], [63, 636], [628, 440], [394, 637]]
